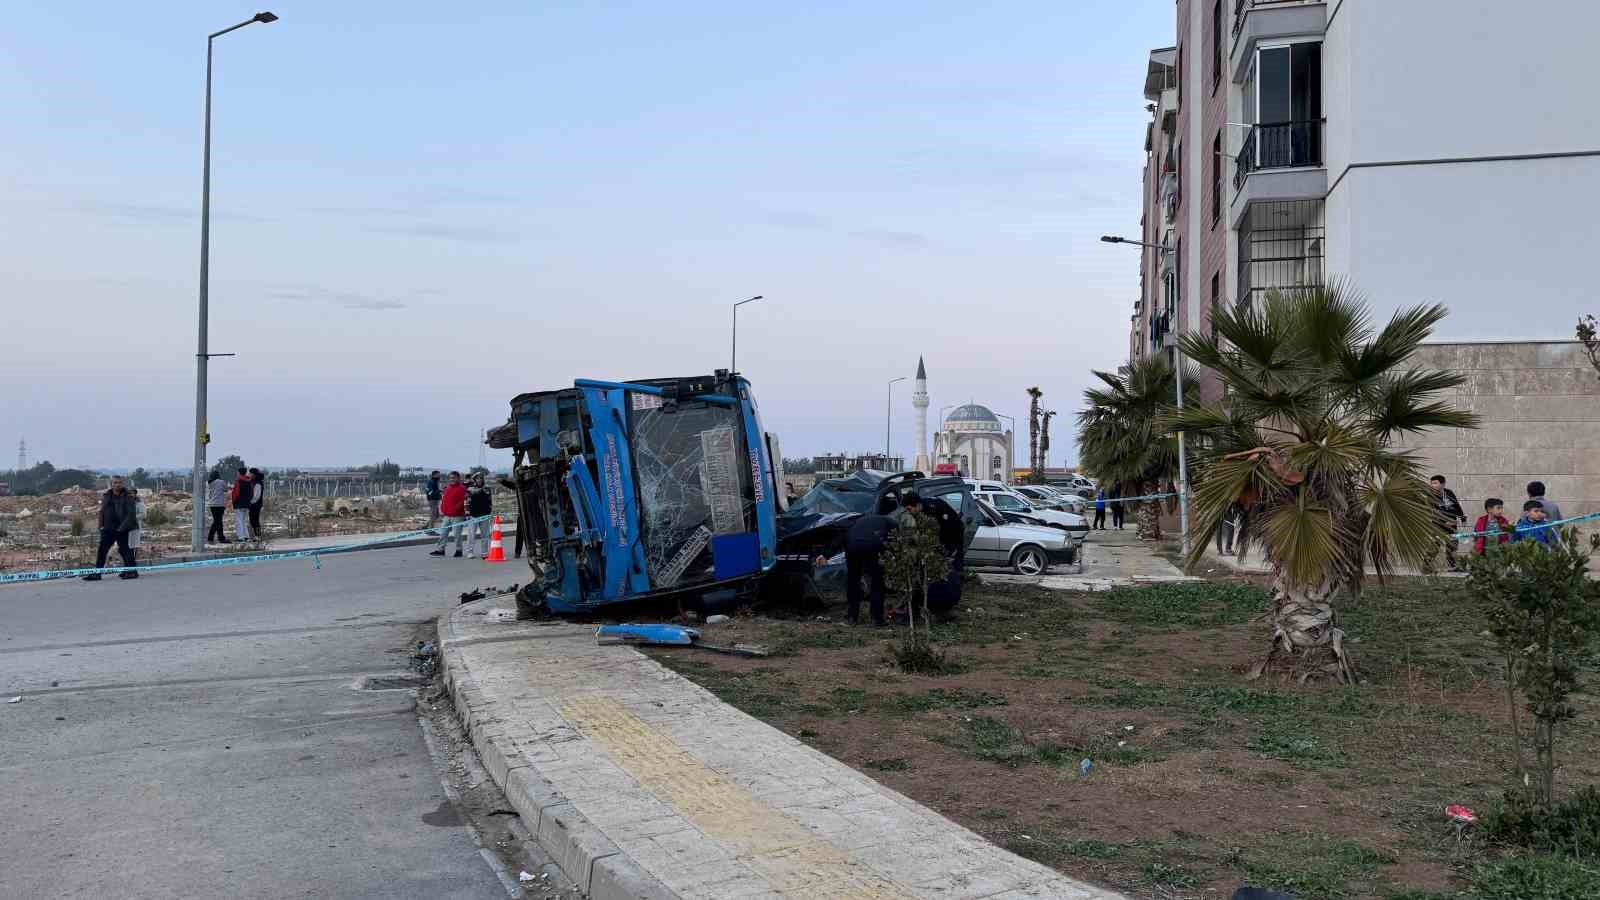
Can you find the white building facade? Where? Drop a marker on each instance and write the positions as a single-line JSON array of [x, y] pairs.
[[973, 440], [1426, 151]]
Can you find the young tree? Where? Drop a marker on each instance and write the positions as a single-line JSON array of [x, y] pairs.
[[913, 557], [1589, 335], [1543, 611], [1118, 441], [229, 466], [1303, 439]]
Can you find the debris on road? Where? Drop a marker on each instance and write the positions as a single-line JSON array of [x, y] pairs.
[[668, 636], [17, 699], [425, 659], [501, 615], [716, 619]]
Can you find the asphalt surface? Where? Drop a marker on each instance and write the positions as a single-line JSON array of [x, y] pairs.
[[200, 734]]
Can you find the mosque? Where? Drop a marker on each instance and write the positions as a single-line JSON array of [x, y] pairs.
[[970, 437]]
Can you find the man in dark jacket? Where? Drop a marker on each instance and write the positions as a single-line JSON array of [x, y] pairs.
[[863, 552], [480, 503], [258, 499], [118, 516], [433, 492], [1448, 512]]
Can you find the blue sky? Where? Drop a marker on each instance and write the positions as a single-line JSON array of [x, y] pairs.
[[420, 210]]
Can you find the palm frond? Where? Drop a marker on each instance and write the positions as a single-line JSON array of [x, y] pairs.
[[1300, 537]]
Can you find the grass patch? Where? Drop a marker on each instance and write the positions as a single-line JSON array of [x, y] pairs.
[[943, 698], [895, 764], [1535, 876], [1314, 865], [1182, 605], [1292, 743], [994, 740]]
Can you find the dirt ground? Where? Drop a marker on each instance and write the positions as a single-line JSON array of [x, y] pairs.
[[1197, 781]]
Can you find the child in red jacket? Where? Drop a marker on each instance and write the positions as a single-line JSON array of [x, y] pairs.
[[1492, 520]]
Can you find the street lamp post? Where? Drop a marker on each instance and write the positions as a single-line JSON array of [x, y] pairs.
[[733, 363], [1183, 459], [888, 416], [202, 354]]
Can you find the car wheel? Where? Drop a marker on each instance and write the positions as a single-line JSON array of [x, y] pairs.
[[1029, 560]]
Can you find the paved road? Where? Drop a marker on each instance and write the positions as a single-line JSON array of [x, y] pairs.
[[197, 734]]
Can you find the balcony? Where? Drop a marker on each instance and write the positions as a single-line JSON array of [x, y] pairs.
[[1257, 20], [1281, 246], [1279, 161]]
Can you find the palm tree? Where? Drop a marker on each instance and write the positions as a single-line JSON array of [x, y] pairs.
[[1119, 442], [1033, 435], [1303, 441]]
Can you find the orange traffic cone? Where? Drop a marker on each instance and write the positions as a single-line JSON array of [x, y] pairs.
[[497, 550]]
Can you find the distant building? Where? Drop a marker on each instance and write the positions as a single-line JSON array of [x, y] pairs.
[[838, 465], [973, 440], [919, 401]]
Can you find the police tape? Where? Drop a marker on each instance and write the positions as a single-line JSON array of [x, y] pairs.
[[314, 554], [1110, 500], [1518, 528]]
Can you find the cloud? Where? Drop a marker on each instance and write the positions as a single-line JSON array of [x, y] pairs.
[[346, 299], [469, 234], [804, 221], [160, 214]]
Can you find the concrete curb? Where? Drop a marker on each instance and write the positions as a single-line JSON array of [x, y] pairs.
[[587, 857]]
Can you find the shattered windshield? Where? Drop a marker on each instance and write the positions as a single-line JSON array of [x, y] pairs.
[[693, 484]]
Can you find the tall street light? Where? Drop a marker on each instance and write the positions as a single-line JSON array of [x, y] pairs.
[[202, 355], [733, 364], [888, 416], [1183, 459]]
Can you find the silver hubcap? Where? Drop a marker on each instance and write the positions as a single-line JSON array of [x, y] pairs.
[[1029, 563]]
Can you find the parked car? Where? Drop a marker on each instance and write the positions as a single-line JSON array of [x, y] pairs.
[[1026, 549], [1051, 498], [1076, 485], [1008, 502]]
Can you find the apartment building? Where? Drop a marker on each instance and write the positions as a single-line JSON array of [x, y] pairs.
[[1426, 151]]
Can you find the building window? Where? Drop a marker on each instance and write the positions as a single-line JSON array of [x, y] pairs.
[[1216, 179], [1216, 44], [1281, 246], [1216, 298]]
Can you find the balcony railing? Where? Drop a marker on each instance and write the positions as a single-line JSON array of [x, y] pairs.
[[1244, 7], [1281, 145]]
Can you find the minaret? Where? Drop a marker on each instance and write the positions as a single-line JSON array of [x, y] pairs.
[[919, 399]]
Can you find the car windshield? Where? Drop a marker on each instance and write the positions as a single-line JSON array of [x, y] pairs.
[[1008, 501]]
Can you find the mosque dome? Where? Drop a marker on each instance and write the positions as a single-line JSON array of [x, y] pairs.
[[972, 417]]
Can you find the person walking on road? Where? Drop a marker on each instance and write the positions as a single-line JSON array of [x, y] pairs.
[[1100, 509], [217, 502], [242, 491], [480, 503], [1552, 512], [1115, 502], [118, 518], [453, 507], [433, 492], [258, 499]]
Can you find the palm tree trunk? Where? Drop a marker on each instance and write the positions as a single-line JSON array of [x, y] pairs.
[[1306, 638], [1149, 514]]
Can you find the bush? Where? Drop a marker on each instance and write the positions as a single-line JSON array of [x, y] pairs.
[[1572, 827], [156, 516], [1542, 609], [77, 526]]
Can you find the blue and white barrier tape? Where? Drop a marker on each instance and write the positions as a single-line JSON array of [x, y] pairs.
[[1519, 529], [1111, 500], [313, 553]]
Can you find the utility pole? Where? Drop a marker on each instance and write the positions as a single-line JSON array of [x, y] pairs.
[[202, 354]]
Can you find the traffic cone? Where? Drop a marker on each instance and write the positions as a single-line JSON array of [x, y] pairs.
[[497, 549]]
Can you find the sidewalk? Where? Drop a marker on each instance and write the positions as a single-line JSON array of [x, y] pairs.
[[643, 785], [1111, 558]]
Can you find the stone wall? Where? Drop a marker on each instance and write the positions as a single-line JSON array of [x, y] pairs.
[[1539, 402]]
